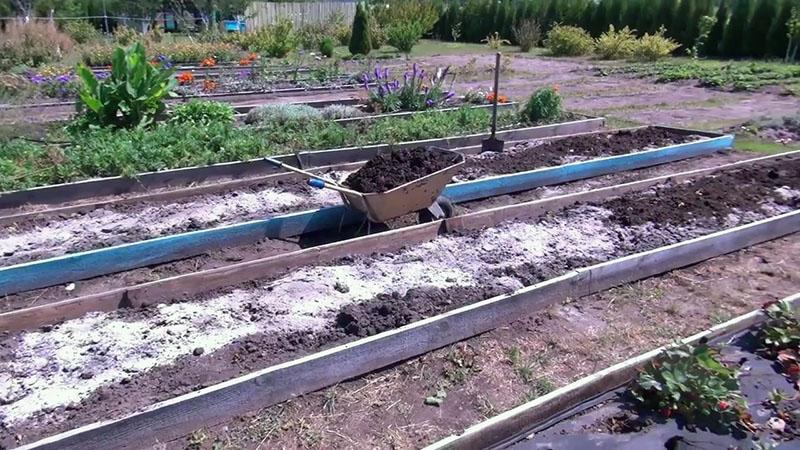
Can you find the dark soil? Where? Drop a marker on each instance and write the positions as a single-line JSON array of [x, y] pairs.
[[560, 151], [383, 313], [390, 170], [709, 197]]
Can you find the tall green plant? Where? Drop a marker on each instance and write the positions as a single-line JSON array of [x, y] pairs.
[[763, 16], [714, 39], [360, 40], [736, 31], [132, 95]]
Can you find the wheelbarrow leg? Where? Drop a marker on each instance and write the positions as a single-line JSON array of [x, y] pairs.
[[442, 208]]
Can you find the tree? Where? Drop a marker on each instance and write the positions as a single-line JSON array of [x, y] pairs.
[[633, 11], [360, 40], [763, 17], [666, 12], [778, 36], [614, 13], [588, 13], [682, 23], [736, 30], [599, 24], [714, 40]]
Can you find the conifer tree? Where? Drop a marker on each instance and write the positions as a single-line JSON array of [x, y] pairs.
[[733, 44], [714, 40], [666, 12], [764, 15], [777, 38], [360, 40]]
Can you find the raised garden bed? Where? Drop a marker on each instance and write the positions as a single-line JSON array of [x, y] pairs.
[[125, 224], [439, 276], [598, 410]]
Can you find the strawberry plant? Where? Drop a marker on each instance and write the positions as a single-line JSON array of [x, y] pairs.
[[782, 328], [690, 382], [131, 97]]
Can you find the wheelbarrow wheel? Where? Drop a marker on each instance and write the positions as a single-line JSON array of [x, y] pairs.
[[446, 206]]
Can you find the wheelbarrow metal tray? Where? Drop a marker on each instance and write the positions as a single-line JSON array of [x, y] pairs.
[[413, 196]]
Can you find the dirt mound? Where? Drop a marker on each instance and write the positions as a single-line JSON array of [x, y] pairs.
[[786, 133], [562, 151], [713, 197], [390, 170]]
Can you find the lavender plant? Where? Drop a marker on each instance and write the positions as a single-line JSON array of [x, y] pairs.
[[418, 91]]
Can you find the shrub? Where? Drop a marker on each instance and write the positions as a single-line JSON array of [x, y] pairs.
[[418, 91], [12, 85], [203, 113], [310, 35], [131, 96], [377, 34], [282, 114], [326, 47], [404, 35], [654, 47], [528, 33], [543, 105], [125, 36], [494, 41], [360, 40], [333, 112], [563, 40], [615, 44], [176, 52], [389, 12], [32, 44], [276, 40], [81, 31]]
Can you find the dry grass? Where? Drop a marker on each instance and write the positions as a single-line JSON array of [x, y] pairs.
[[32, 43]]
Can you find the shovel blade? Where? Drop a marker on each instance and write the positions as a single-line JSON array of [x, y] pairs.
[[492, 145]]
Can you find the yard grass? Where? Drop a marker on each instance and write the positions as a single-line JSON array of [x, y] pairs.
[[736, 75], [750, 143], [431, 47]]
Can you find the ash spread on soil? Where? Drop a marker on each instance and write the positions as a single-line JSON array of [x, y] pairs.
[[561, 151], [389, 170], [316, 307]]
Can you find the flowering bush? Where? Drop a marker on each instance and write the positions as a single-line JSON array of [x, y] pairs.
[[500, 99], [419, 90], [249, 59], [209, 61], [209, 85], [176, 52], [60, 85]]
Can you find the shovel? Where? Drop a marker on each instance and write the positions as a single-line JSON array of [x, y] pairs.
[[493, 144]]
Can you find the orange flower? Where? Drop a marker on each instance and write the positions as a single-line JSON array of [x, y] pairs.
[[556, 87], [500, 99], [209, 85], [208, 62], [245, 62], [185, 78]]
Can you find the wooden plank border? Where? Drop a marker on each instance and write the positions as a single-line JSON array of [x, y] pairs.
[[61, 193], [176, 417], [542, 411], [187, 285], [88, 264]]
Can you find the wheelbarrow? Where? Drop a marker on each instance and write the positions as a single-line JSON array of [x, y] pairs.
[[422, 195]]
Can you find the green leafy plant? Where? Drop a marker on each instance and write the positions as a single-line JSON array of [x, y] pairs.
[[615, 44], [276, 40], [543, 105], [690, 382], [404, 35], [494, 41], [782, 328], [360, 38], [704, 29], [564, 40], [131, 96], [654, 47], [203, 113], [528, 34], [81, 31], [326, 47]]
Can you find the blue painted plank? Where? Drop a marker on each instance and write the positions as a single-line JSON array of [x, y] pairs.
[[83, 265]]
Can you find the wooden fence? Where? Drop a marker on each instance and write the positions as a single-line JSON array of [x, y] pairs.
[[260, 14]]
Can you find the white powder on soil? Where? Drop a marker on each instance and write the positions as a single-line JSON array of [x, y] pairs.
[[46, 370], [104, 227]]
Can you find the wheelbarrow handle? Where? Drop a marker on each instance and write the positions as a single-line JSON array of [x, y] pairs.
[[322, 184]]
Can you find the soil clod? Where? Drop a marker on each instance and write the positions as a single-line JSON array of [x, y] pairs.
[[389, 170]]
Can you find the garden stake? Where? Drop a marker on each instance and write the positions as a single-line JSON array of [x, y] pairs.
[[493, 144]]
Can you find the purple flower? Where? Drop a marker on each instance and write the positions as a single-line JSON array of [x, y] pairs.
[[244, 74], [377, 73], [415, 69], [103, 75], [386, 73], [449, 95], [37, 78], [405, 77], [64, 79], [429, 102]]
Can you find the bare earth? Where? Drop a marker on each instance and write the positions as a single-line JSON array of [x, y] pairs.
[[486, 375]]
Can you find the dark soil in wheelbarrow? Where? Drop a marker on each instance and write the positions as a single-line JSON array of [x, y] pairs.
[[480, 265], [530, 156], [390, 170]]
